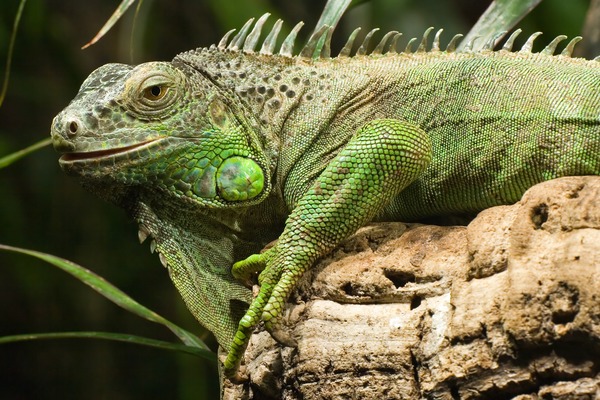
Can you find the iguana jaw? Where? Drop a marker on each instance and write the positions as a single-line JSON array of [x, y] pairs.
[[71, 158]]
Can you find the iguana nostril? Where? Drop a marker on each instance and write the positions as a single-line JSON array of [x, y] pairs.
[[73, 128]]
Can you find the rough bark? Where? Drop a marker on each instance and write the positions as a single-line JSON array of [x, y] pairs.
[[507, 307]]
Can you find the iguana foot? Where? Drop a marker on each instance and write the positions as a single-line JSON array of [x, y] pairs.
[[276, 283], [244, 269]]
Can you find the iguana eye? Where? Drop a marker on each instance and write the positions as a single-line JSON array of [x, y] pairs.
[[155, 92], [152, 90]]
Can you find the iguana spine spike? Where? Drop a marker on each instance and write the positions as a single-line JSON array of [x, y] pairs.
[[394, 42], [528, 46], [238, 40], [490, 44], [248, 38], [362, 50], [143, 233], [453, 42], [163, 260], [308, 51], [288, 44], [380, 48], [347, 49], [423, 45], [252, 39], [470, 43], [551, 47], [268, 46], [508, 45], [570, 46], [408, 48], [326, 50], [435, 46], [223, 42]]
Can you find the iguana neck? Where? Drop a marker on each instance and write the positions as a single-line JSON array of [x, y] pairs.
[[198, 246]]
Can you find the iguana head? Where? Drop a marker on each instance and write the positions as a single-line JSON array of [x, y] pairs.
[[166, 143], [165, 126]]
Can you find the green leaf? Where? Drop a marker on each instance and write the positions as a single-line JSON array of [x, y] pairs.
[[11, 158], [333, 11], [501, 16], [111, 292], [119, 337]]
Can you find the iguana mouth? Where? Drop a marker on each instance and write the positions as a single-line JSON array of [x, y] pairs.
[[100, 154]]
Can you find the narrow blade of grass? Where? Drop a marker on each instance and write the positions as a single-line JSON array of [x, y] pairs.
[[11, 158], [119, 337], [125, 4], [333, 11], [11, 46], [111, 292]]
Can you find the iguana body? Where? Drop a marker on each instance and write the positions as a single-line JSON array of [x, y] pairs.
[[225, 149]]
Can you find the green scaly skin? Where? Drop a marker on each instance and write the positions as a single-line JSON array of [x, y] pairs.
[[221, 151]]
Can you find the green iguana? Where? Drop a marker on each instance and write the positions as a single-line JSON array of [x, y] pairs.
[[226, 148]]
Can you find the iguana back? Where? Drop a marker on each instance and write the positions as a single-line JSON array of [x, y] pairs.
[[499, 121]]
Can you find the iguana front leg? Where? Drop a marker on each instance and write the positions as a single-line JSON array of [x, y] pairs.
[[379, 161]]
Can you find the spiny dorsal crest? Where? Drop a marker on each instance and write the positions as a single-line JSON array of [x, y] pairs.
[[319, 44]]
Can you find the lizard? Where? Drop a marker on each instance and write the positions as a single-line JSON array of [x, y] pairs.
[[227, 148]]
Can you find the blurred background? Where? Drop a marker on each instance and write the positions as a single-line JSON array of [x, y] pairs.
[[42, 209]]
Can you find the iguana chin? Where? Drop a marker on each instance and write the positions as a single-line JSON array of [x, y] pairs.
[[225, 149]]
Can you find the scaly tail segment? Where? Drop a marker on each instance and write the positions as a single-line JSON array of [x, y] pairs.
[[247, 40]]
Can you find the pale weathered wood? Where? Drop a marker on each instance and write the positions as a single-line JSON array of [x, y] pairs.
[[506, 307]]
